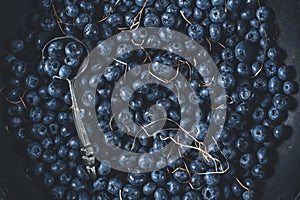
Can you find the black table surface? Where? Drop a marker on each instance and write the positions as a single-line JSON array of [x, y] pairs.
[[285, 181]]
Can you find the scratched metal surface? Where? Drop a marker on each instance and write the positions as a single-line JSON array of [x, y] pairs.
[[285, 181]]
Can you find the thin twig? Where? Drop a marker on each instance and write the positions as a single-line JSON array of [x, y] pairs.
[[184, 17], [240, 183], [137, 18]]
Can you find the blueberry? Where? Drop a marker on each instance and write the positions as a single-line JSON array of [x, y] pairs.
[[233, 5], [232, 40], [77, 184], [174, 115], [130, 192], [58, 167], [137, 179], [48, 117], [247, 14], [247, 161], [289, 87], [217, 2], [271, 68], [263, 13], [243, 70], [141, 3], [160, 194], [258, 115], [149, 188], [46, 4], [211, 178], [35, 114], [48, 23], [248, 195], [42, 39], [82, 20], [259, 133], [226, 67], [48, 179], [197, 14], [115, 20], [73, 154], [196, 31], [262, 155], [197, 166], [284, 72], [273, 53], [267, 30], [65, 71], [196, 181], [151, 20], [201, 130], [227, 192], [74, 50], [17, 46], [62, 151], [34, 150], [211, 193], [82, 173], [184, 3], [230, 152], [39, 130], [83, 196], [260, 84], [158, 176], [111, 73], [249, 183], [226, 80], [203, 4], [276, 115], [177, 197], [38, 168], [168, 19], [236, 189], [51, 67], [87, 6], [275, 85], [49, 156], [47, 143], [57, 192], [241, 28], [73, 143], [191, 195], [114, 185], [100, 183], [217, 14], [258, 171], [243, 51], [280, 101], [278, 131], [72, 62], [215, 32], [104, 168], [229, 28], [65, 178], [65, 132], [71, 195], [55, 89], [254, 23], [252, 36], [71, 10], [173, 187]]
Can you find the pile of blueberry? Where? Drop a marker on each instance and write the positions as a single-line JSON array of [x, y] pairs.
[[239, 35]]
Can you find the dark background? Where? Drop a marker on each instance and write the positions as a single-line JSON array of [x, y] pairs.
[[283, 185]]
